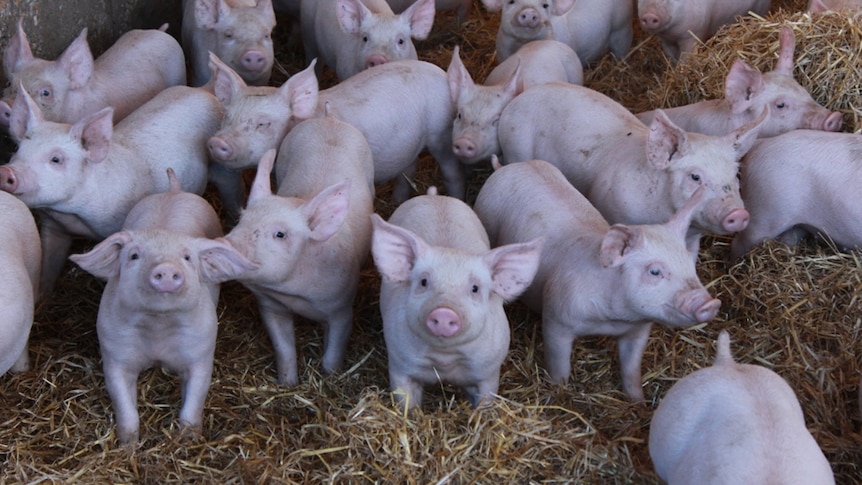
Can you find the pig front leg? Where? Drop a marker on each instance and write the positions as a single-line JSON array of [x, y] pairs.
[[407, 391], [122, 385], [56, 244], [336, 336], [558, 339], [454, 175], [403, 184], [231, 190], [483, 392], [22, 363], [195, 385], [631, 346], [279, 323]]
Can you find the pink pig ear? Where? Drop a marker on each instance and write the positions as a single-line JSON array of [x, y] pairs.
[[103, 261], [26, 115], [681, 220], [17, 52], [208, 13], [420, 15], [395, 249], [95, 132], [77, 61], [742, 84], [619, 241], [458, 76], [786, 49], [261, 186], [665, 141], [327, 211], [513, 267], [350, 15], [227, 84], [300, 92], [220, 262]]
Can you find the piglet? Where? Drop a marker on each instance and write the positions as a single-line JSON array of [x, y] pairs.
[[352, 35], [681, 24], [19, 282], [140, 64], [815, 6], [237, 31], [593, 278], [802, 182], [310, 239], [540, 62], [84, 178], [734, 423], [442, 297], [747, 93], [158, 307]]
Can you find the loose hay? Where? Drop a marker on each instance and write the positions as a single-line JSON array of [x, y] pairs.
[[792, 309]]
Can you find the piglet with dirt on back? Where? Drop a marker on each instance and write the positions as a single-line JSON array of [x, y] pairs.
[[594, 279], [401, 107], [442, 297], [19, 282], [682, 24], [802, 182], [734, 423], [84, 178], [747, 93], [140, 64], [590, 27], [237, 31], [158, 307], [310, 239], [350, 36]]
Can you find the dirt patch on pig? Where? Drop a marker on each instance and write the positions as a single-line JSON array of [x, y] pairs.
[[795, 310]]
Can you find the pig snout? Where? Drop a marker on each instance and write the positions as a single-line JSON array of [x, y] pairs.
[[5, 113], [220, 149], [8, 180], [254, 61], [375, 60], [167, 278], [443, 322], [464, 148], [833, 122], [650, 21], [528, 18], [736, 221], [697, 304]]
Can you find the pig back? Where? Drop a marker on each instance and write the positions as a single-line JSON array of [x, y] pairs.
[[19, 278], [442, 221], [177, 212]]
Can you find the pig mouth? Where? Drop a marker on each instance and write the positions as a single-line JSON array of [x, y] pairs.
[[675, 316]]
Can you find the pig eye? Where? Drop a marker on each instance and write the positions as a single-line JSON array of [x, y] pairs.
[[781, 105], [475, 289], [280, 235], [695, 177], [134, 256], [655, 272], [187, 257], [45, 93], [545, 5], [55, 159], [424, 282], [458, 115], [364, 38], [400, 41], [264, 125], [228, 35]]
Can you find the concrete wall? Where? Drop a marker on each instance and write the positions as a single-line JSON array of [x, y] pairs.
[[52, 24]]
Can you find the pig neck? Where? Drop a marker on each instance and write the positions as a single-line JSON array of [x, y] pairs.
[[710, 117]]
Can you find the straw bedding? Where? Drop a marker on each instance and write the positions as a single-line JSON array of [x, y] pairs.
[[795, 310]]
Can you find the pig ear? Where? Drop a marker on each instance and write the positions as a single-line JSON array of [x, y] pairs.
[[350, 15], [493, 5], [327, 211], [743, 138], [742, 84], [665, 141], [77, 61], [458, 76], [514, 86], [227, 83], [265, 6], [17, 52], [26, 114], [261, 186], [395, 249], [562, 7], [420, 15], [681, 220], [618, 242], [300, 92], [208, 13], [513, 267], [220, 262], [786, 47], [95, 132], [103, 261]]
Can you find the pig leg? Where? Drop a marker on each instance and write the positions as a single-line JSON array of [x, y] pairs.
[[482, 393], [231, 189], [631, 348], [407, 391], [122, 387], [336, 335], [621, 42], [280, 326], [195, 385], [558, 339], [56, 244], [22, 363], [453, 171], [403, 184]]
